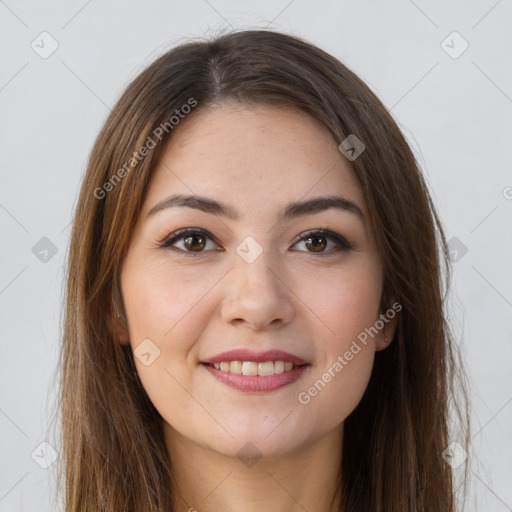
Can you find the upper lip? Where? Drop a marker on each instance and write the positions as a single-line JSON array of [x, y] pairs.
[[242, 354]]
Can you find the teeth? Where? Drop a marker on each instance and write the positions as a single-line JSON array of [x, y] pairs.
[[266, 368], [235, 367], [278, 367], [250, 368]]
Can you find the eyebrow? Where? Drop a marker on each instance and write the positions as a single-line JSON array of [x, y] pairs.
[[296, 209]]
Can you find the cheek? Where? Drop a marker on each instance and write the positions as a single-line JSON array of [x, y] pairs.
[[164, 302], [167, 305], [346, 300], [348, 304], [170, 306]]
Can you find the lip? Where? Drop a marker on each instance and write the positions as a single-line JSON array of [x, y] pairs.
[[257, 383], [256, 357]]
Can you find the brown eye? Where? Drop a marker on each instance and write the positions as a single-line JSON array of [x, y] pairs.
[[323, 242], [191, 241], [316, 243], [195, 243]]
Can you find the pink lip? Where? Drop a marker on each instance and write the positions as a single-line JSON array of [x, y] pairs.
[[257, 383], [256, 357]]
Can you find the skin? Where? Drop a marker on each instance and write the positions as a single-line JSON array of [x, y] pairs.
[[257, 160]]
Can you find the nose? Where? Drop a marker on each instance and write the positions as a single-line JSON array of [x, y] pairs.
[[256, 295]]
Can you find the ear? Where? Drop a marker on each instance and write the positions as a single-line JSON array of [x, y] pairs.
[[389, 319]]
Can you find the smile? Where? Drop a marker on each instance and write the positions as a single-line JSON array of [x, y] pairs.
[[250, 380]]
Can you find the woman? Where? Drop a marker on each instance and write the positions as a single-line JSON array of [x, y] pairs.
[[254, 312]]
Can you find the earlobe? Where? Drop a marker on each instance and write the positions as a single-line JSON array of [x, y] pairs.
[[389, 319], [384, 339]]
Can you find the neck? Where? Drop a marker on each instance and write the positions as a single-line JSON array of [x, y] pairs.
[[207, 481]]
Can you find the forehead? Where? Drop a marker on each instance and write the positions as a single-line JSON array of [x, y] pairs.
[[250, 155]]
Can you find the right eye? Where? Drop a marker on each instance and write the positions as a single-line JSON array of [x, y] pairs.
[[192, 240]]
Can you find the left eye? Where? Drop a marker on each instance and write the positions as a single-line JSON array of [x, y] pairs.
[[317, 241]]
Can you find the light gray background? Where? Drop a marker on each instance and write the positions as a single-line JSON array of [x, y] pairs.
[[456, 113]]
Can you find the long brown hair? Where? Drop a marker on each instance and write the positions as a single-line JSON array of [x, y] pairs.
[[113, 452]]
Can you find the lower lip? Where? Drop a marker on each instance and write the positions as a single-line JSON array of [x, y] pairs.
[[257, 383]]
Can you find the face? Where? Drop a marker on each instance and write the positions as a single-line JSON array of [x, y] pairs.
[[236, 268]]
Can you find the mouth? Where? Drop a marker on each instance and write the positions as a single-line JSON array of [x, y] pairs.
[[253, 377], [251, 371]]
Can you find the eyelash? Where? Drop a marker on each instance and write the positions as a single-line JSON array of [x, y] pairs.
[[180, 234]]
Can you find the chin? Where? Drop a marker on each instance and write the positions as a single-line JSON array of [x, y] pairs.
[[258, 443]]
